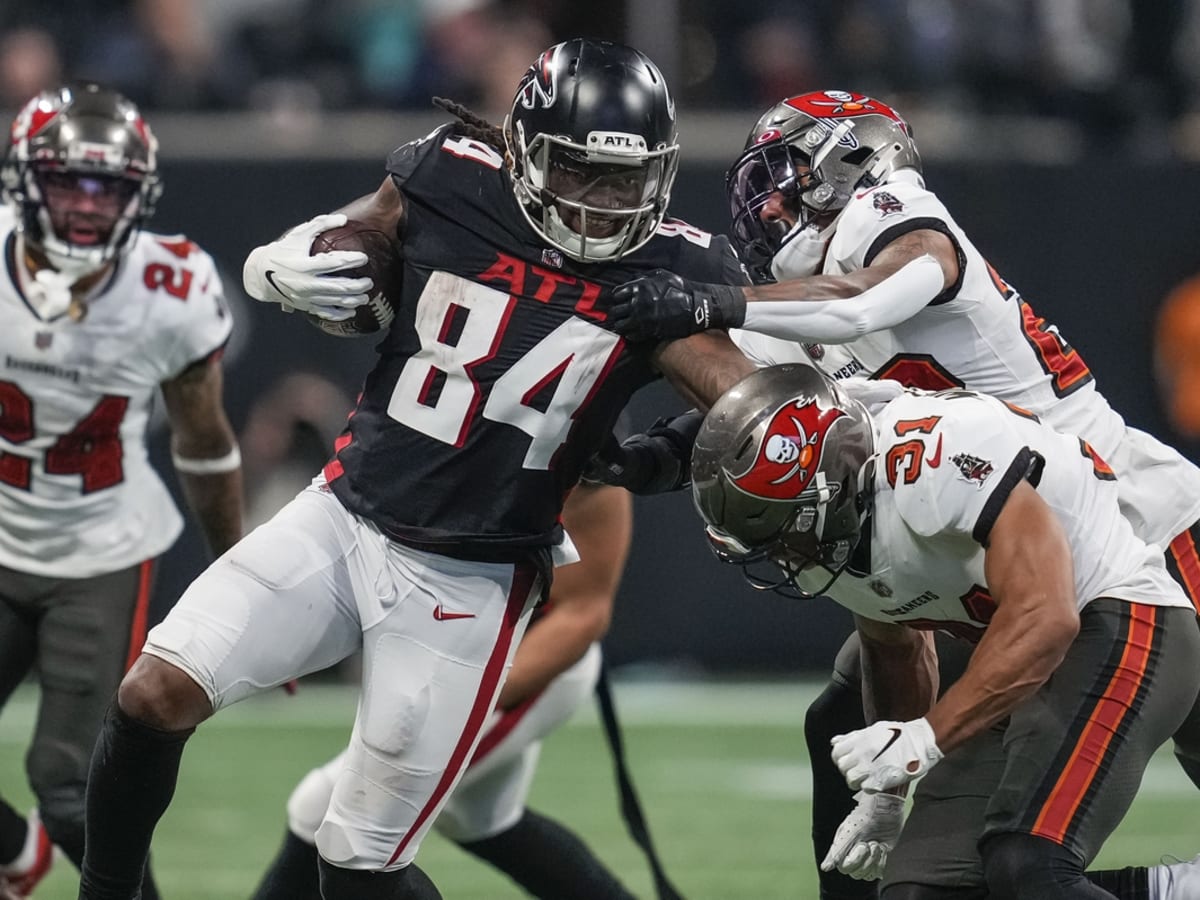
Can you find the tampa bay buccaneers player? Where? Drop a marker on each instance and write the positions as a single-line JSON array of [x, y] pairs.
[[430, 536], [863, 271], [99, 315], [957, 511]]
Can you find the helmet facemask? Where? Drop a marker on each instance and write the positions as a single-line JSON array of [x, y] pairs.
[[593, 204], [779, 475], [591, 138], [82, 174], [815, 150], [808, 554]]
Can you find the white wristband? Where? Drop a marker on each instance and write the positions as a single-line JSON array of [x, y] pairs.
[[215, 466]]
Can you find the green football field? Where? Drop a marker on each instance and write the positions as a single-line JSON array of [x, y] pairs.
[[721, 769]]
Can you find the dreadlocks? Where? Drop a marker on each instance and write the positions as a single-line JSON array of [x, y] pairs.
[[473, 125]]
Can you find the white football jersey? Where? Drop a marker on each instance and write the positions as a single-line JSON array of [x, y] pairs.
[[984, 337], [78, 496], [945, 465]]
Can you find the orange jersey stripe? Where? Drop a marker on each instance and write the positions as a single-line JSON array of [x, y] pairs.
[[1107, 716], [1183, 551]]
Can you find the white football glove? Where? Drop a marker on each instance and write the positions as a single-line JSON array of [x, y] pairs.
[[865, 838], [886, 755], [283, 272]]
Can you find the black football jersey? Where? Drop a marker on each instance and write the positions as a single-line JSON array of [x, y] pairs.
[[499, 376]]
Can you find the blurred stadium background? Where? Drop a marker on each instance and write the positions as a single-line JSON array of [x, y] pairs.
[[1063, 134]]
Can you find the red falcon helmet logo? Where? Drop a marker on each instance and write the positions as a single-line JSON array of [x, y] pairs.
[[790, 452]]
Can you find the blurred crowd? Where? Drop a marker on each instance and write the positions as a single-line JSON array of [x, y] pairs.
[[1123, 68]]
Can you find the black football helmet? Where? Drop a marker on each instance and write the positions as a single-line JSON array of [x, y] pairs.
[[780, 474], [846, 141], [594, 152], [77, 140]]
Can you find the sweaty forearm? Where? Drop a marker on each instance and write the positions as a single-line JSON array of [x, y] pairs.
[[794, 311]]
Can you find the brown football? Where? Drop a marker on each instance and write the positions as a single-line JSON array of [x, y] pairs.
[[383, 267]]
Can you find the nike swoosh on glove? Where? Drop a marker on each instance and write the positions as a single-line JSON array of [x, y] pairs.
[[865, 838], [283, 272], [886, 755]]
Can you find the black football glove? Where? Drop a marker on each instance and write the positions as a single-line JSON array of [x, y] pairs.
[[663, 306], [652, 463]]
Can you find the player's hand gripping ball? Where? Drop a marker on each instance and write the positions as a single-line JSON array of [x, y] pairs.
[[383, 267]]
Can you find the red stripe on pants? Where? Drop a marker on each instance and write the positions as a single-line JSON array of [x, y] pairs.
[[524, 576]]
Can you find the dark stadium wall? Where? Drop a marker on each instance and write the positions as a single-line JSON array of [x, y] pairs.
[[1093, 252]]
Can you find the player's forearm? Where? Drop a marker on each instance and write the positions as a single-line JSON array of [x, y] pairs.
[[703, 367], [550, 648], [900, 678], [216, 502], [806, 316], [1017, 655]]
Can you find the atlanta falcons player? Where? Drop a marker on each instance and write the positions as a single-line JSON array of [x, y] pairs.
[[958, 512], [877, 280], [99, 315], [429, 538], [554, 672]]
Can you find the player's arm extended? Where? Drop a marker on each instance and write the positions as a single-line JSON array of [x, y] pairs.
[[1030, 576], [901, 280], [899, 670], [205, 451], [600, 522]]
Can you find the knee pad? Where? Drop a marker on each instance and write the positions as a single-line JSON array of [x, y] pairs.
[[308, 802], [1021, 866]]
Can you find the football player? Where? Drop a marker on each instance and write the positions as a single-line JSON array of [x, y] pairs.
[[429, 538], [864, 271], [99, 315], [554, 671], [958, 512]]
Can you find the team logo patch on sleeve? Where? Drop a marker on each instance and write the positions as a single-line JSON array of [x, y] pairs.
[[790, 451], [886, 204], [972, 468]]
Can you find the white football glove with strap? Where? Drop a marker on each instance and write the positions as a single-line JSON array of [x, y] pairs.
[[886, 755], [283, 272], [865, 838]]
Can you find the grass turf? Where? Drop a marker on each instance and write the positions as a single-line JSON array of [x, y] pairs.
[[720, 767]]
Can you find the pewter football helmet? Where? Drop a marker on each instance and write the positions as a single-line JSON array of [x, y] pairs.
[[80, 138], [778, 474], [847, 141]]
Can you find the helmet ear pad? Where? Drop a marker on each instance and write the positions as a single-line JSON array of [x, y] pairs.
[[603, 109]]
